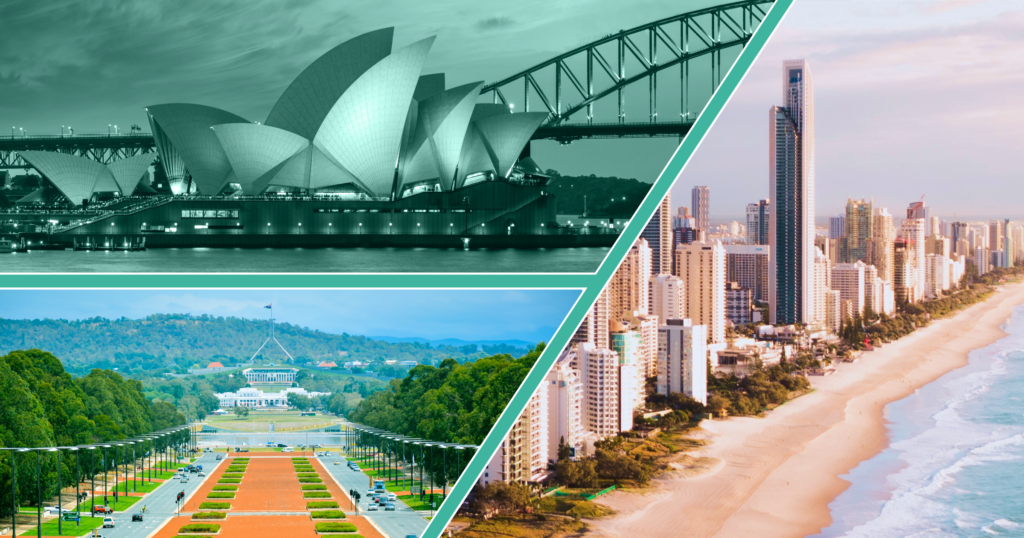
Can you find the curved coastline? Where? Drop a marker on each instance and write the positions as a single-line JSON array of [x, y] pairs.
[[781, 472]]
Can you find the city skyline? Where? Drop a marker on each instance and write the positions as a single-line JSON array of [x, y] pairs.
[[876, 98], [473, 315]]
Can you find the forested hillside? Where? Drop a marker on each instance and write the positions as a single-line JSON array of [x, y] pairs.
[[453, 403], [42, 405], [605, 196], [169, 342]]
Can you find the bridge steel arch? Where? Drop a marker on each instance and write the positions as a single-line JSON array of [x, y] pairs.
[[682, 38]]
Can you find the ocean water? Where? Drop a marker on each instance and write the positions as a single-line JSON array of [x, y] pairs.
[[323, 260], [955, 464]]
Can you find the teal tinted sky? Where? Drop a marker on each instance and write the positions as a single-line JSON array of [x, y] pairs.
[[530, 315], [90, 63], [911, 98]]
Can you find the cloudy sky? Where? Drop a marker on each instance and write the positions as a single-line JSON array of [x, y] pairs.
[[911, 98], [530, 315], [90, 63]]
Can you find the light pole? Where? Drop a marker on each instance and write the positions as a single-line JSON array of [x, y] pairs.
[[39, 498], [78, 480], [60, 505], [92, 479]]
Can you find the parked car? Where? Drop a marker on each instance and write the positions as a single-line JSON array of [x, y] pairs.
[[137, 516], [372, 507], [389, 507], [108, 523]]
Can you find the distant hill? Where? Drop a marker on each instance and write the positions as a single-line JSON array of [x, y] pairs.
[[605, 196], [170, 341]]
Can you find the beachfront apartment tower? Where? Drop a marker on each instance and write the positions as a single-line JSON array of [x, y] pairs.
[[658, 234], [859, 224], [849, 280], [791, 189], [702, 267], [747, 265], [668, 297], [912, 229], [757, 222], [883, 234], [565, 405], [701, 203], [629, 286], [594, 327], [683, 359], [607, 401]]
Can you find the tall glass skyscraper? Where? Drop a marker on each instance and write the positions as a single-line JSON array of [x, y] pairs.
[[791, 185]]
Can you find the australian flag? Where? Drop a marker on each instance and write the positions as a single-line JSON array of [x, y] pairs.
[[269, 305]]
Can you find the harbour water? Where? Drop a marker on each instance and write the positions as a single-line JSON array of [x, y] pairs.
[[955, 464], [325, 260]]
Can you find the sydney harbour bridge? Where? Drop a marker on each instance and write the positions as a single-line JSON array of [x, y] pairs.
[[584, 91]]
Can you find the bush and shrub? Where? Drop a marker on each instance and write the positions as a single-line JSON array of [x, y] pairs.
[[316, 494], [335, 526], [225, 488], [209, 515], [314, 487], [214, 506], [310, 481], [229, 481], [327, 514], [308, 475], [315, 505], [220, 495], [199, 527]]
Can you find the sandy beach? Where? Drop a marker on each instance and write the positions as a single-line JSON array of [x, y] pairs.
[[778, 474]]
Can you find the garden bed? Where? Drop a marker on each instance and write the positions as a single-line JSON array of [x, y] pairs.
[[225, 488], [317, 505], [310, 481], [308, 475], [202, 529], [214, 506], [229, 481], [335, 527], [313, 487], [220, 495], [232, 475], [206, 516], [316, 495]]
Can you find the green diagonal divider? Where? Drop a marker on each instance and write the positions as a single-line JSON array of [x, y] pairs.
[[596, 282]]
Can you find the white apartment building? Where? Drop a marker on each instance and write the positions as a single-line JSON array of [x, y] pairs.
[[628, 288], [565, 405], [609, 390], [982, 260], [936, 276], [913, 229], [683, 359], [522, 455], [822, 284], [668, 297], [848, 280], [701, 265], [628, 344], [833, 311]]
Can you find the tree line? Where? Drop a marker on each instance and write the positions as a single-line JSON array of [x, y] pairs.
[[155, 344], [43, 405]]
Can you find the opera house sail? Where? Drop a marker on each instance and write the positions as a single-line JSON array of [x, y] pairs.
[[361, 143]]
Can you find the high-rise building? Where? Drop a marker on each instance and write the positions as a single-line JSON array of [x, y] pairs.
[[748, 266], [934, 227], [833, 311], [961, 230], [565, 404], [904, 283], [607, 405], [702, 267], [882, 238], [918, 210], [822, 285], [936, 275], [701, 203], [997, 243], [594, 327], [913, 231], [757, 222], [738, 301], [522, 455], [837, 227], [683, 359], [982, 260], [859, 224], [668, 297], [628, 288], [791, 189], [658, 234], [628, 345], [849, 280]]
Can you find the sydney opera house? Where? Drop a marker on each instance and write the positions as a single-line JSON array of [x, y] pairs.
[[361, 143]]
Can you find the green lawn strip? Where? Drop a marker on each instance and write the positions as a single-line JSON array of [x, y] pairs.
[[232, 475], [225, 488], [310, 481], [308, 475], [139, 487], [316, 494], [229, 481], [220, 495], [327, 514], [346, 535], [314, 505], [199, 527], [214, 506], [314, 487], [123, 503], [414, 501], [209, 515], [163, 475], [336, 526], [70, 528]]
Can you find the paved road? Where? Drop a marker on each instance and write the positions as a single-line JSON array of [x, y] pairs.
[[160, 504], [398, 524]]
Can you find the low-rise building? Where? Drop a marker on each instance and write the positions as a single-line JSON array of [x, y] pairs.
[[256, 398]]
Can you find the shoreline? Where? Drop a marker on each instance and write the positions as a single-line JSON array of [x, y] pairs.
[[779, 473]]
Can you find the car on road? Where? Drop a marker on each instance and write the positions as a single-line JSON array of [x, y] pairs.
[[202, 473], [108, 523], [282, 445], [372, 507], [184, 479], [370, 492], [137, 516], [337, 463], [389, 507], [392, 497], [102, 509], [411, 536], [220, 458], [52, 511]]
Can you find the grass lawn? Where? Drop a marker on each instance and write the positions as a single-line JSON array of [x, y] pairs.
[[259, 421], [414, 501], [123, 503], [70, 528], [139, 487]]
